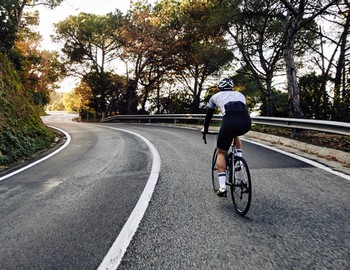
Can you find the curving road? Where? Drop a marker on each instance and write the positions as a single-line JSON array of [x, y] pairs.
[[66, 212]]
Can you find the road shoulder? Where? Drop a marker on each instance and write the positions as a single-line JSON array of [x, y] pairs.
[[335, 159]]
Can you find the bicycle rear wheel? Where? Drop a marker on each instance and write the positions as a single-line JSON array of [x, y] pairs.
[[241, 189], [214, 172]]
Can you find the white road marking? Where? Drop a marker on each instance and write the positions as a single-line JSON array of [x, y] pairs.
[[116, 252], [311, 162]]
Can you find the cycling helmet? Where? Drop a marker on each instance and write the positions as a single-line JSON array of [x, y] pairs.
[[225, 84]]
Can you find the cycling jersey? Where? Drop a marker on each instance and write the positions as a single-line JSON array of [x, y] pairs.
[[236, 120], [222, 98]]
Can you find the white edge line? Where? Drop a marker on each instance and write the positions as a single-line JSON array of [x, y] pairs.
[[306, 160], [40, 160], [118, 249]]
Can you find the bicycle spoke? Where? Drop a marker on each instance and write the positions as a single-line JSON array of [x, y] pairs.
[[241, 189]]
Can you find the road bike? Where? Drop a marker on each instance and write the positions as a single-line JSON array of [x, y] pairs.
[[237, 175]]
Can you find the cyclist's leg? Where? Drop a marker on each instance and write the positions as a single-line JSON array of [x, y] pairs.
[[238, 143], [223, 144], [221, 160], [242, 124], [238, 146], [221, 165]]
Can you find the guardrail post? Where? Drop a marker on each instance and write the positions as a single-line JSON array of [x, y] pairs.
[[293, 132]]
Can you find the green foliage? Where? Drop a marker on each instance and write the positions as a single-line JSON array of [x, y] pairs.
[[343, 112], [245, 83], [7, 24], [202, 51], [40, 99], [279, 107], [90, 41], [175, 102], [185, 44], [314, 99], [108, 92], [11, 19], [22, 132]]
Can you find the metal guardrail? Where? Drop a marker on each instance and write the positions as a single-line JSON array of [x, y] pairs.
[[342, 128]]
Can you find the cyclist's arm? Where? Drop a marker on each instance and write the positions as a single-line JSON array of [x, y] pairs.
[[208, 117]]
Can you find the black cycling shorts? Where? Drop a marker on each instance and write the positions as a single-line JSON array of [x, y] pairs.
[[233, 124]]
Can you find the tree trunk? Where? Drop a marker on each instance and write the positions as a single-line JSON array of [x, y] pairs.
[[340, 66], [294, 109], [269, 105], [292, 83], [131, 97]]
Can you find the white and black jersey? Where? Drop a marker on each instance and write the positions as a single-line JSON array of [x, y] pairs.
[[235, 118], [223, 98]]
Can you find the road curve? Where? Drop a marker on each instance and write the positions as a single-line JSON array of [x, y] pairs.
[[60, 217], [298, 217], [66, 212]]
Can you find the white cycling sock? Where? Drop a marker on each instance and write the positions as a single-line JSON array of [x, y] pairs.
[[239, 153], [222, 179]]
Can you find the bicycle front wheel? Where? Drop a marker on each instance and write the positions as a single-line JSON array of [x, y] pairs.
[[241, 189], [214, 172]]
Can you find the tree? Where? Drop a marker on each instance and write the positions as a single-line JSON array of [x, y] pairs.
[[91, 42], [172, 102], [298, 17], [78, 100], [257, 32], [340, 17], [11, 15], [314, 101], [41, 70], [91, 45], [149, 46], [56, 102], [245, 82], [202, 50], [107, 92]]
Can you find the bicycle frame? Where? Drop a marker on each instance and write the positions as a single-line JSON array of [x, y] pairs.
[[238, 177]]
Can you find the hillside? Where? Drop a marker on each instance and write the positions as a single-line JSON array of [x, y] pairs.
[[22, 133]]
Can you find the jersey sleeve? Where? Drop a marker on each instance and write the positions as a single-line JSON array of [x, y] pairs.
[[211, 104]]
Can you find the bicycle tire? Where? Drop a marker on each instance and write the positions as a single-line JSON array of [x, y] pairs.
[[241, 189], [214, 172]]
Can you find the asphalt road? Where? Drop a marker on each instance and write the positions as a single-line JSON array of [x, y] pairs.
[[66, 212]]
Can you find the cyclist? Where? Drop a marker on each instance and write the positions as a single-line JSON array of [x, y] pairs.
[[235, 122]]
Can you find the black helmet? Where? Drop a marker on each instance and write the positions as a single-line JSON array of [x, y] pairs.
[[225, 84]]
